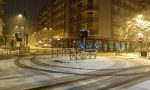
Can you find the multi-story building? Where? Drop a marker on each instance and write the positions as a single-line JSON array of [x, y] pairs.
[[103, 19], [1, 22]]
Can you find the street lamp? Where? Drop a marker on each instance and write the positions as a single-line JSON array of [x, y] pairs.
[[58, 39], [139, 16], [22, 27], [45, 28], [50, 32], [50, 29], [22, 21], [20, 15], [140, 40], [140, 35], [16, 27]]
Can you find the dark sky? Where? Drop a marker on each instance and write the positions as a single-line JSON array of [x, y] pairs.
[[32, 8]]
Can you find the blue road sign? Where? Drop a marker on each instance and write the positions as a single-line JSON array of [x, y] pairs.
[[82, 46], [96, 45]]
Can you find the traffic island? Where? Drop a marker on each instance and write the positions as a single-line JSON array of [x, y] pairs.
[[82, 55], [23, 51]]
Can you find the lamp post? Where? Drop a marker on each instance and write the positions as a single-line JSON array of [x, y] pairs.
[[50, 33], [22, 16], [23, 46]]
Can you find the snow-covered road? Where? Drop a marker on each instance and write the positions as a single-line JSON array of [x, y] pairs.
[[44, 72]]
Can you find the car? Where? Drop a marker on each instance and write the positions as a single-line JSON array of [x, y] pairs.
[[39, 45], [46, 45]]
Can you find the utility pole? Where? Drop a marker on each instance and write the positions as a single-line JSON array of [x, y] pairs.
[[24, 34]]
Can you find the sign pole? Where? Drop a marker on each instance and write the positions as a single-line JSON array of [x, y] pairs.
[[84, 41]]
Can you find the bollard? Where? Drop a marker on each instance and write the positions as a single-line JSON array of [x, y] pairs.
[[57, 52], [52, 52], [76, 55], [70, 54]]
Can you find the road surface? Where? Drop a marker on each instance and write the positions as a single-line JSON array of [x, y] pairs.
[[40, 71]]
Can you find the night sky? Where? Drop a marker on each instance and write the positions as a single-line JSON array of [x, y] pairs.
[[32, 8]]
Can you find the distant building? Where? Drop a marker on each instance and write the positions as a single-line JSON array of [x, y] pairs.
[[1, 27], [103, 19], [1, 22]]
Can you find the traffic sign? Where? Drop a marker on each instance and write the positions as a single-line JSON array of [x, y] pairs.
[[82, 46], [19, 36], [96, 45]]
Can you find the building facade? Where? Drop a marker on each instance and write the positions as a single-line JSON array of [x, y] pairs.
[[103, 19], [1, 22]]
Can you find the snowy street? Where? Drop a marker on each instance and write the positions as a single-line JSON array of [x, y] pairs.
[[38, 72]]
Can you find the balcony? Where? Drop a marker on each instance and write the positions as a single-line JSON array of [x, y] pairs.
[[79, 10]]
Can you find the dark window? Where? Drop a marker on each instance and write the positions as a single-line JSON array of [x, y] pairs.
[[90, 4]]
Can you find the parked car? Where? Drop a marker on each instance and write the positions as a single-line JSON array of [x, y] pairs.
[[46, 45], [39, 45]]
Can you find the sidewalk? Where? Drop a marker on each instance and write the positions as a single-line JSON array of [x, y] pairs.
[[6, 57], [128, 55]]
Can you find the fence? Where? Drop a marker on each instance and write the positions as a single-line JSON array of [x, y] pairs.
[[73, 54], [7, 51]]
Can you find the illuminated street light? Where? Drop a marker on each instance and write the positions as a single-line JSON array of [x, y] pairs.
[[22, 21], [22, 27], [20, 15], [45, 28], [58, 39], [50, 28], [16, 27], [139, 16], [140, 35]]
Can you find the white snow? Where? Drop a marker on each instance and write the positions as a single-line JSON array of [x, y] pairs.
[[9, 70], [141, 86]]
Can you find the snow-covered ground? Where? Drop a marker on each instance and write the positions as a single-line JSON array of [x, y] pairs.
[[101, 63], [145, 85], [141, 86], [13, 76], [8, 69]]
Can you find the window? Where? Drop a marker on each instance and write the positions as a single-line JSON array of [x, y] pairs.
[[90, 4]]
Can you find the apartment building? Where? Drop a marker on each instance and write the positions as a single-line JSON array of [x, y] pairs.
[[1, 22], [103, 19]]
